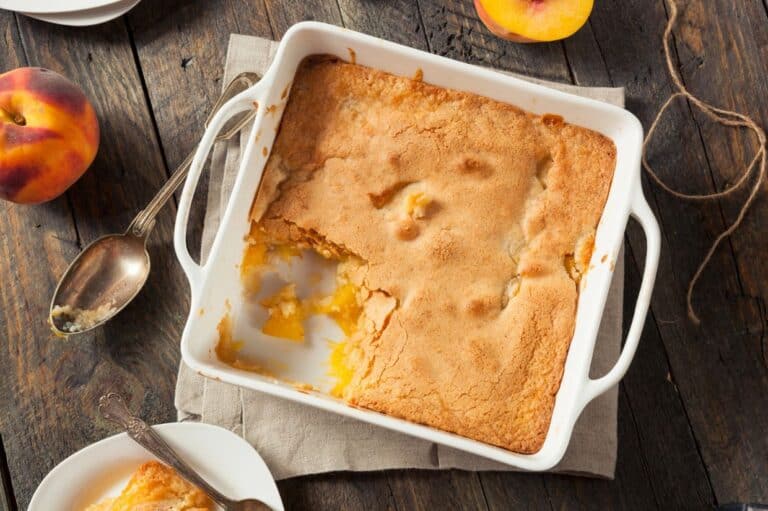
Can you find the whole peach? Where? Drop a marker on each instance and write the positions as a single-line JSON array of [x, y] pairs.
[[49, 134]]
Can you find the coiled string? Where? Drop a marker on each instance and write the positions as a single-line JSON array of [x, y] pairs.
[[721, 116]]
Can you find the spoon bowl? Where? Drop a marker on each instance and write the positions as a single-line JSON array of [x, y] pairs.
[[99, 283], [111, 271]]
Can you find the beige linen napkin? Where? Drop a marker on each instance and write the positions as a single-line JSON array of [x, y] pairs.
[[297, 440]]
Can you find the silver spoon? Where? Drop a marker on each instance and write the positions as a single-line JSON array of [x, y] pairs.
[[113, 409], [111, 271]]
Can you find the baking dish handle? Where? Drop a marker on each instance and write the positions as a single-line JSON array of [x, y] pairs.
[[240, 103], [643, 214]]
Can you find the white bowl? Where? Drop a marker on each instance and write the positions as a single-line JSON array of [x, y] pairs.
[[216, 285]]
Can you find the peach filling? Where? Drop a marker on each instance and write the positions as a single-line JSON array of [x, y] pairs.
[[342, 306], [287, 312], [257, 257], [416, 204], [286, 315], [227, 349], [339, 368]]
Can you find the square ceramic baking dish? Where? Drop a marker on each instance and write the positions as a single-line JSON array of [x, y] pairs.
[[216, 286]]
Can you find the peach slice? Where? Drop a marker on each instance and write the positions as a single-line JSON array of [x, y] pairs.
[[528, 21]]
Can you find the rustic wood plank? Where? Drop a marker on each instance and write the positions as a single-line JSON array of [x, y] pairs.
[[31, 409], [346, 490], [428, 490], [522, 491], [631, 489], [35, 243], [181, 49], [677, 472], [40, 373], [126, 174], [12, 58], [7, 498], [584, 56], [669, 447], [396, 20], [726, 411], [722, 49], [454, 30], [284, 14]]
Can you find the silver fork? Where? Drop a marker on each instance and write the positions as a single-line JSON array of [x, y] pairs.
[[113, 409]]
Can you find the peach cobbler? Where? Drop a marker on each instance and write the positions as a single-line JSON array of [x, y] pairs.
[[156, 487], [461, 227]]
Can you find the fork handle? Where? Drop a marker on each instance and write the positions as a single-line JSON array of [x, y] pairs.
[[113, 409]]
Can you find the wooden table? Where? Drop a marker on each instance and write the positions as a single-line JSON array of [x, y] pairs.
[[693, 409]]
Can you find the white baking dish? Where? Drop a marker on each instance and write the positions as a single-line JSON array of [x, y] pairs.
[[216, 287]]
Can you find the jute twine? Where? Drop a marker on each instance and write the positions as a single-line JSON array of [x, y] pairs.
[[725, 118]]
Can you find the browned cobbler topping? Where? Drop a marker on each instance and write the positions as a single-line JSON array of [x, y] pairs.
[[552, 119], [462, 227], [156, 487]]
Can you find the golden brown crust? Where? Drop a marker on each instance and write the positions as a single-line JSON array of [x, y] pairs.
[[156, 487], [464, 210]]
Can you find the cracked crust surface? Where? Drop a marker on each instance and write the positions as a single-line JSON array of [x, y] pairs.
[[473, 221]]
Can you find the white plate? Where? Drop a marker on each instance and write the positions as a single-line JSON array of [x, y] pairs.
[[47, 6], [102, 469], [87, 17]]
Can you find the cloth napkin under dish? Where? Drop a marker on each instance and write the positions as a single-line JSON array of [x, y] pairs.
[[298, 440]]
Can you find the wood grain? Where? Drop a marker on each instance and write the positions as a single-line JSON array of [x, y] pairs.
[[397, 20], [445, 489], [343, 490], [677, 472], [693, 412], [51, 386], [13, 58], [181, 49], [7, 497], [284, 14], [454, 30], [34, 245], [718, 367], [521, 491], [722, 50]]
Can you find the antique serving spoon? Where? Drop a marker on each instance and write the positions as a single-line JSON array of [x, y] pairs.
[[111, 271], [113, 409]]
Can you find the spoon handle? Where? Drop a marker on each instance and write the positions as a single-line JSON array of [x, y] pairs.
[[144, 220], [113, 409]]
